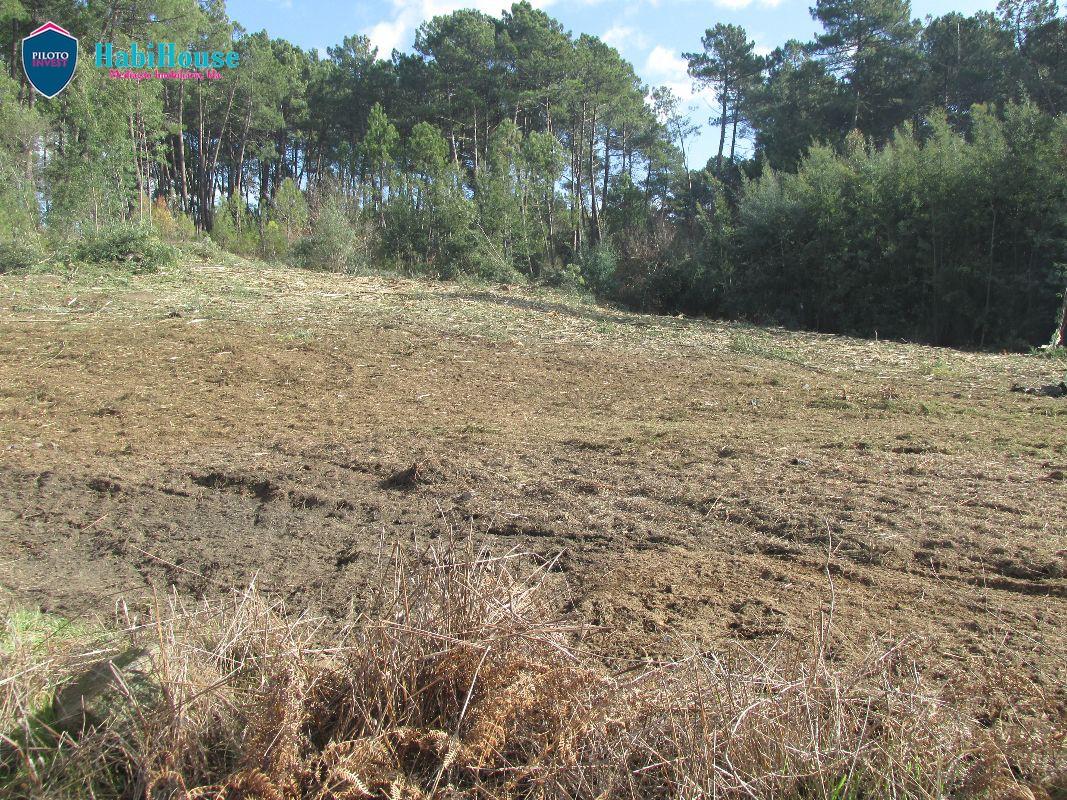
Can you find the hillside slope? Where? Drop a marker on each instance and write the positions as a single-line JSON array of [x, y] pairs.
[[228, 423]]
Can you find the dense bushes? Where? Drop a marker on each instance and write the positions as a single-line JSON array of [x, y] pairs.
[[939, 236], [135, 247], [22, 254], [936, 236], [334, 242]]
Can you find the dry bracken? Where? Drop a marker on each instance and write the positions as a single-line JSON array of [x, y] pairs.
[[460, 680]]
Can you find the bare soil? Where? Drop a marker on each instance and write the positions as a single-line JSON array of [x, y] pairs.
[[230, 423]]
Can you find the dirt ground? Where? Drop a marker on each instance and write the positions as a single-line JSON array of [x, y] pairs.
[[224, 424]]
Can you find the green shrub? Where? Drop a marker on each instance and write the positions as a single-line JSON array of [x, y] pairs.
[[334, 243], [172, 226], [234, 228], [597, 264], [136, 247], [20, 255], [290, 211], [563, 276], [204, 248], [274, 245], [184, 227]]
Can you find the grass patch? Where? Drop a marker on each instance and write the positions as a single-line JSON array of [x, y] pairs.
[[945, 370], [39, 654], [830, 403], [1050, 353], [460, 679], [761, 346]]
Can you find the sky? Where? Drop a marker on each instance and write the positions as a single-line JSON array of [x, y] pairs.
[[650, 34]]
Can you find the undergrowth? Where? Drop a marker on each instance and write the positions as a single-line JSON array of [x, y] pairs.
[[460, 679], [136, 248]]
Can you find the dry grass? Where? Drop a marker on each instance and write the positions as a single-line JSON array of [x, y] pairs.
[[460, 678], [229, 288]]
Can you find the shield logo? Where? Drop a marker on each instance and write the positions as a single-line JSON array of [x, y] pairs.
[[49, 56]]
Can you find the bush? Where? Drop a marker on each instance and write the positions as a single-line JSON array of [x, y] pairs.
[[234, 228], [290, 210], [654, 271], [20, 255], [563, 276], [204, 248], [136, 247], [274, 245], [171, 226], [597, 264], [334, 243]]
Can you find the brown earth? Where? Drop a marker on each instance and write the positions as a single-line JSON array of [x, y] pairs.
[[221, 425]]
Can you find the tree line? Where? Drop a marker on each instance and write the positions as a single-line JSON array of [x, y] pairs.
[[891, 177]]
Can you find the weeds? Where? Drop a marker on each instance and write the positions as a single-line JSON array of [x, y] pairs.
[[138, 248], [21, 255], [749, 345], [458, 678]]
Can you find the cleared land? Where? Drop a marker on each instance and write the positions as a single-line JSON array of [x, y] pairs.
[[230, 423]]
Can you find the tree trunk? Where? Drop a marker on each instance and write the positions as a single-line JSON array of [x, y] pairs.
[[474, 132], [722, 132], [183, 182], [578, 207], [733, 135], [15, 40], [595, 229], [607, 171], [239, 174], [201, 173], [1061, 336], [137, 162]]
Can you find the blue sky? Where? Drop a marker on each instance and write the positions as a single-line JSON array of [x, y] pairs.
[[650, 34]]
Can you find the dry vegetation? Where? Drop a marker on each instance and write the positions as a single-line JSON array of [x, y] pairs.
[[459, 680], [730, 561]]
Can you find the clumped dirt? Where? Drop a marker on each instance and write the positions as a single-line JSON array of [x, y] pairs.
[[224, 425]]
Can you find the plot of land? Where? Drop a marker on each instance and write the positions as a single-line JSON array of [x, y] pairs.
[[230, 423]]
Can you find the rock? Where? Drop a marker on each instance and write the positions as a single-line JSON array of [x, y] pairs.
[[103, 690], [1049, 390]]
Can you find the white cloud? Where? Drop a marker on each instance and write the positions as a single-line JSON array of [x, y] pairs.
[[665, 63], [666, 67], [398, 31], [624, 36], [389, 35], [737, 5]]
